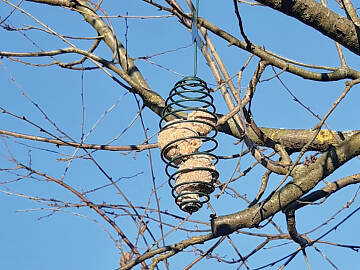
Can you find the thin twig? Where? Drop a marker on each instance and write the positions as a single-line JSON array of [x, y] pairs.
[[79, 145]]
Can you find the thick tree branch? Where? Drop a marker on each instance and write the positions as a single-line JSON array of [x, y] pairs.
[[305, 178], [315, 15], [292, 139], [338, 74], [325, 192]]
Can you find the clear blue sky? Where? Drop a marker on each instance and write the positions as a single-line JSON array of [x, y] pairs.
[[35, 236]]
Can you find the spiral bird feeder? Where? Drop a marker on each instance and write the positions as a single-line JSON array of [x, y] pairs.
[[187, 141]]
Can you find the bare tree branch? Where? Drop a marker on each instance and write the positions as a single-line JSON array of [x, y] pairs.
[[324, 192], [310, 12], [305, 178], [338, 74], [79, 145]]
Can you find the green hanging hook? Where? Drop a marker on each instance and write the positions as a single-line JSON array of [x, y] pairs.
[[195, 37]]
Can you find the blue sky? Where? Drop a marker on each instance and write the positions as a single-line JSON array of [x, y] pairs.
[[32, 236]]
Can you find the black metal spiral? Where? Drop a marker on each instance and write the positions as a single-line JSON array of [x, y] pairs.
[[190, 96]]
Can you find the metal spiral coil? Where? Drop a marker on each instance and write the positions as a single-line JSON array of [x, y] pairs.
[[186, 143]]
